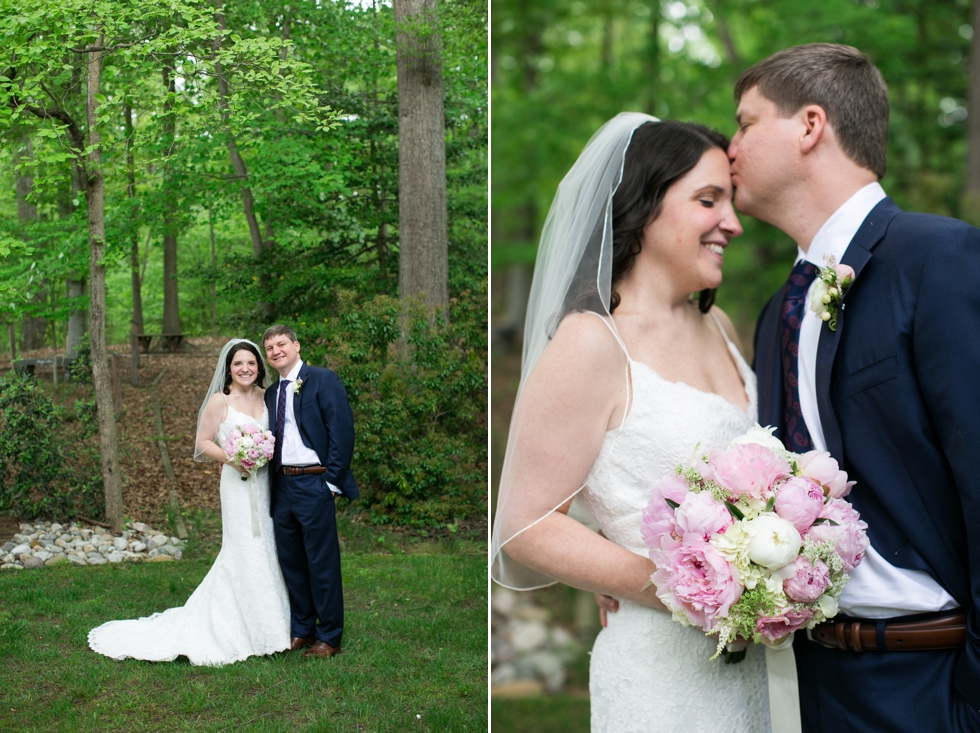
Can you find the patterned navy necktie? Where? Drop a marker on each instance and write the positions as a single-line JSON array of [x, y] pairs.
[[280, 425], [796, 437]]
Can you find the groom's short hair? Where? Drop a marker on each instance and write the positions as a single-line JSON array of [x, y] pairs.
[[279, 330], [838, 78]]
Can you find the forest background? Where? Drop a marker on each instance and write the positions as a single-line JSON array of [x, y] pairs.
[[561, 69], [248, 156]]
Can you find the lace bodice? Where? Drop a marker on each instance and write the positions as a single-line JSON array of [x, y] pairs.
[[235, 419], [649, 674], [666, 424]]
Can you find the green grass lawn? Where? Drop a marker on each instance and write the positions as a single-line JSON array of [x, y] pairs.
[[415, 644], [541, 714]]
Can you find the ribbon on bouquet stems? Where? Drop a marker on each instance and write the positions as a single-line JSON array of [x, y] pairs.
[[784, 687], [253, 486]]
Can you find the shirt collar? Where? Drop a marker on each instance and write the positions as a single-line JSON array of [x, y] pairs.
[[838, 231], [294, 372]]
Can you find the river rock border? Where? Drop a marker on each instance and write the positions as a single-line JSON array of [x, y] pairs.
[[43, 543]]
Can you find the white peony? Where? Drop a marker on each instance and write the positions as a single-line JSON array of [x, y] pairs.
[[774, 541], [246, 442], [827, 605], [760, 436]]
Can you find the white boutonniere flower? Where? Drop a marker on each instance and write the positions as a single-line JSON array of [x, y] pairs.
[[297, 386], [828, 292]]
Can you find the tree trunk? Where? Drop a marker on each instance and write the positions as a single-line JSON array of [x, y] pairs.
[[171, 298], [75, 287], [76, 322], [241, 171], [423, 262], [136, 323], [95, 197], [971, 204], [214, 264]]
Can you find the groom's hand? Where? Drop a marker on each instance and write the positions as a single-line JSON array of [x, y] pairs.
[[606, 604]]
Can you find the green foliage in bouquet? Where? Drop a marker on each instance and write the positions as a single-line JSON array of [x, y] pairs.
[[419, 402], [48, 465]]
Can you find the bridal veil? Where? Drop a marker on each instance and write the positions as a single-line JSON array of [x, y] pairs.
[[572, 272]]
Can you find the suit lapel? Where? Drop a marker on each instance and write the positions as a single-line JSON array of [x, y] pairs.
[[270, 404], [768, 364], [857, 255], [304, 372]]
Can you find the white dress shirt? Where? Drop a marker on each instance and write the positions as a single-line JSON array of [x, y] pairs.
[[294, 450], [876, 589]]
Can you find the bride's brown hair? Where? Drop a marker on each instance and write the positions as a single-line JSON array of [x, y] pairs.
[[243, 346]]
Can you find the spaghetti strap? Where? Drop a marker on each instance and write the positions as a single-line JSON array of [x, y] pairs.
[[629, 363], [606, 321], [721, 328]]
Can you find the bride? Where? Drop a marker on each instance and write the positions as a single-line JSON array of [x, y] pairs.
[[624, 375], [240, 609]]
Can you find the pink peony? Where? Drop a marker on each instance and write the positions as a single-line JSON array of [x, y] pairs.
[[234, 435], [694, 578], [848, 535], [810, 581], [747, 470], [799, 501], [703, 515], [267, 449], [658, 520], [822, 468], [253, 453], [776, 627], [250, 429], [674, 487]]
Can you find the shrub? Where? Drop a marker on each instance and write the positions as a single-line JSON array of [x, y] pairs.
[[47, 465], [81, 366], [420, 405]]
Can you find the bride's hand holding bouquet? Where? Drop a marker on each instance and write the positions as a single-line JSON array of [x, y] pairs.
[[248, 448]]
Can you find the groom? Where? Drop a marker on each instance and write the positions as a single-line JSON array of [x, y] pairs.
[[893, 392], [314, 428]]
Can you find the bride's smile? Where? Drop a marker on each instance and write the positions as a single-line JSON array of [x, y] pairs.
[[244, 369]]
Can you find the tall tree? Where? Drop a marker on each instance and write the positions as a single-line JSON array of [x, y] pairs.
[[171, 294], [422, 229]]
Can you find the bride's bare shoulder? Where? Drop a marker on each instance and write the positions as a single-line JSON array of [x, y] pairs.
[[583, 342]]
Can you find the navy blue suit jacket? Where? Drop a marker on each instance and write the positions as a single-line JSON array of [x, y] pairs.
[[326, 423], [898, 389]]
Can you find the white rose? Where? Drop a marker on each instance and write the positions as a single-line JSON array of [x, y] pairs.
[[819, 298], [827, 605], [246, 442], [760, 436], [775, 542]]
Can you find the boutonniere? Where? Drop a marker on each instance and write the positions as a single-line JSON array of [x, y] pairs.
[[828, 292], [298, 386]]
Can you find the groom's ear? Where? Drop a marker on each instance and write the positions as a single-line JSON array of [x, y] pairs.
[[814, 119]]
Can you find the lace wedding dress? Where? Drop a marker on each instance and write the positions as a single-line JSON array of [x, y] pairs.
[[648, 673], [239, 610]]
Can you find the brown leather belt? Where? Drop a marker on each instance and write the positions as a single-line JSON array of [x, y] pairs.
[[302, 470], [934, 634]]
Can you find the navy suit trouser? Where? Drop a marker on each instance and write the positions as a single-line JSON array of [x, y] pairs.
[[305, 522], [880, 692]]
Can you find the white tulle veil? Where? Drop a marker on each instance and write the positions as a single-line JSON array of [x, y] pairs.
[[208, 421], [572, 272]]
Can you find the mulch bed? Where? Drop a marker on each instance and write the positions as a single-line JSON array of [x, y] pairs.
[[181, 392]]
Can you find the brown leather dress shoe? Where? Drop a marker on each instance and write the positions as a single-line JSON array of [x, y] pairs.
[[298, 642], [322, 650]]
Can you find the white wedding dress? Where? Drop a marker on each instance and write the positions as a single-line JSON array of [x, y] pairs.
[[240, 609], [648, 673]]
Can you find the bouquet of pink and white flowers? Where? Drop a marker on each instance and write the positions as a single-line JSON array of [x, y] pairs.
[[250, 447], [753, 541]]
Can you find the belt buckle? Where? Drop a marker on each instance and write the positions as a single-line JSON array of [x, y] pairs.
[[809, 635]]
